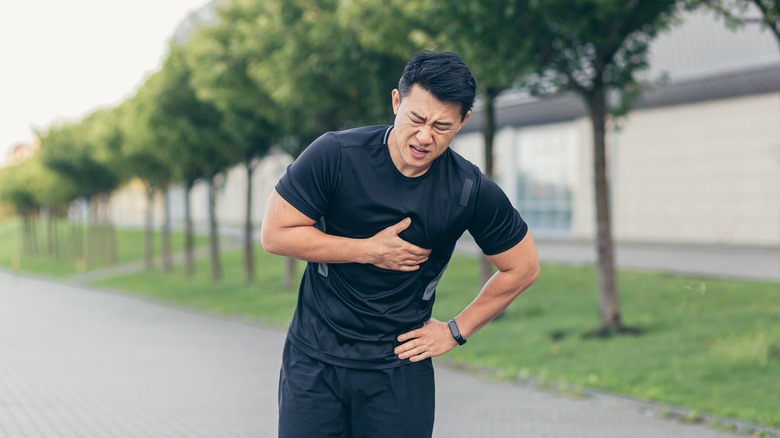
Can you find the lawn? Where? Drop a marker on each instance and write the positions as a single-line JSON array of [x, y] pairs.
[[707, 345], [129, 246]]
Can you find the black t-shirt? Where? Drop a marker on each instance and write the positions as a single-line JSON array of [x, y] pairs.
[[350, 314]]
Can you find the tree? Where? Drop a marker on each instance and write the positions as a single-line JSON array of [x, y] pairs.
[[86, 154], [594, 48], [192, 133], [17, 188], [53, 194], [220, 64], [145, 159]]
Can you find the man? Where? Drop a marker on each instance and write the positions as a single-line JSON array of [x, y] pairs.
[[376, 211]]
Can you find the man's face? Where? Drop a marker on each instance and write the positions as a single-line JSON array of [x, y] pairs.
[[424, 128]]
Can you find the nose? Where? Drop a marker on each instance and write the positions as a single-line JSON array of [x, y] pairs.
[[425, 135]]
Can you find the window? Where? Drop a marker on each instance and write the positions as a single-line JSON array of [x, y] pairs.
[[545, 171]]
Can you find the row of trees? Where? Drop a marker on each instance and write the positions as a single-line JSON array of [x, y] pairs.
[[278, 73]]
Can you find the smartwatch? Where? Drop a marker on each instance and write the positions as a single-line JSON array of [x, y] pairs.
[[455, 332]]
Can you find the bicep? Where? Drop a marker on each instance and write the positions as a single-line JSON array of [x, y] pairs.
[[281, 214]]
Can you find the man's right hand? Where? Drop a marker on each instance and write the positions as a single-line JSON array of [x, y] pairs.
[[288, 232], [389, 251]]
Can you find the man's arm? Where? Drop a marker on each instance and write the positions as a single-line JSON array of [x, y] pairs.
[[286, 231], [518, 268]]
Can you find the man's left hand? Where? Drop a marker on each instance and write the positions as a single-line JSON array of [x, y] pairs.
[[432, 339]]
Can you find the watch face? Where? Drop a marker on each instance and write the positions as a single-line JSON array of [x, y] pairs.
[[454, 328]]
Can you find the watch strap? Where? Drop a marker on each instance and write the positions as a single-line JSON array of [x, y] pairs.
[[456, 332]]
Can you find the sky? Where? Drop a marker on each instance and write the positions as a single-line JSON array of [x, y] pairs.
[[60, 60]]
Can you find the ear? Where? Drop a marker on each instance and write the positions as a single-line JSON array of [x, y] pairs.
[[396, 97], [463, 122]]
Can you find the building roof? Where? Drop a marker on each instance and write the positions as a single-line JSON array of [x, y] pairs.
[[758, 80], [527, 111], [701, 59]]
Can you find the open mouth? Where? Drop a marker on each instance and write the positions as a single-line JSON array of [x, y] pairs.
[[417, 152]]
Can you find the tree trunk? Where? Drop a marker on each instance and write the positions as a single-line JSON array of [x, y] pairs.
[[55, 214], [111, 244], [46, 212], [167, 257], [26, 246], [34, 245], [609, 306], [149, 230], [81, 240], [189, 256], [91, 236], [216, 265], [289, 272], [78, 241], [249, 258]]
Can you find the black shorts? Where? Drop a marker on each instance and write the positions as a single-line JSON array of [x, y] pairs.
[[317, 399]]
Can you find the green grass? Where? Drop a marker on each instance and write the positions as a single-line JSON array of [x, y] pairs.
[[265, 300], [706, 344], [129, 244]]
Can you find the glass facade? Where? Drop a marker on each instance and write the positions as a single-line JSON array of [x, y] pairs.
[[545, 170]]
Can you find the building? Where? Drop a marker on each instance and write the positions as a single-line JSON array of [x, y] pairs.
[[696, 162], [20, 152]]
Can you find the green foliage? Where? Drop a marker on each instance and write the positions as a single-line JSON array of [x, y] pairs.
[[594, 46], [17, 185], [219, 59], [188, 129], [311, 59], [486, 35], [143, 150], [737, 13], [86, 154]]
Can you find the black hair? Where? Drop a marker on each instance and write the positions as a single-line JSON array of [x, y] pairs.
[[442, 74]]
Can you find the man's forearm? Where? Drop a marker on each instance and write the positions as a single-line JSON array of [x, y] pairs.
[[312, 245], [496, 295], [518, 268]]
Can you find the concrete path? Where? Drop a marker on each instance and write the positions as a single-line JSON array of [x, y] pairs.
[[702, 260], [83, 363]]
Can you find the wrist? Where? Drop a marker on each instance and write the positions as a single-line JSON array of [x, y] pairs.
[[455, 331], [361, 251]]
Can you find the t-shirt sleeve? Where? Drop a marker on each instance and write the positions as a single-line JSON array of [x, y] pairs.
[[311, 179], [496, 225]]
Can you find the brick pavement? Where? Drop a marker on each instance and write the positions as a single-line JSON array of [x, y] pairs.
[[82, 363]]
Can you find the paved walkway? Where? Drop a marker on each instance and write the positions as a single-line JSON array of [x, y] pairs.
[[701, 260], [82, 363]]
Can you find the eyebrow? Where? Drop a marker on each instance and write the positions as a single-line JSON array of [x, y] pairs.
[[437, 123]]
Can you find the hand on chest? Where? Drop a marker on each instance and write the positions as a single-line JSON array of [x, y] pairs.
[[361, 209]]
